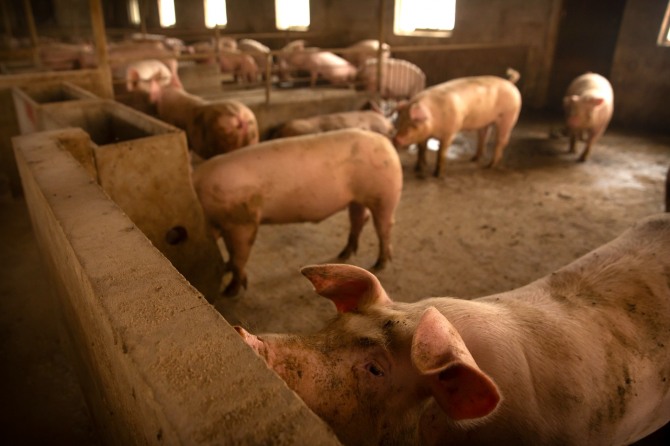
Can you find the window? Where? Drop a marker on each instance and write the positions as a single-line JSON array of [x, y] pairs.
[[215, 13], [292, 15], [664, 35], [134, 12], [432, 18], [166, 13]]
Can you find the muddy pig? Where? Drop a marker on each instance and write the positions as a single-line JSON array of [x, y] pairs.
[[211, 128], [468, 103], [579, 357], [362, 119], [300, 179], [588, 104]]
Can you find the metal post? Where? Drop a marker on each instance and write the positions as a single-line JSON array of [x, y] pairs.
[[7, 24], [144, 12]]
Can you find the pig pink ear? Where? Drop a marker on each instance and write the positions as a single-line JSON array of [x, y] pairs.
[[458, 385], [417, 112], [349, 287], [595, 101]]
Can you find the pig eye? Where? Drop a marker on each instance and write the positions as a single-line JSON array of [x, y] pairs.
[[374, 369]]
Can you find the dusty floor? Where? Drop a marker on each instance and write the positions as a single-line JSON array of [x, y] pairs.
[[475, 232]]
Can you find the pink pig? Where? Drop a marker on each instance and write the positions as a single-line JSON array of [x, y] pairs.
[[579, 357], [331, 67], [588, 105], [362, 119], [468, 103], [211, 128], [300, 179]]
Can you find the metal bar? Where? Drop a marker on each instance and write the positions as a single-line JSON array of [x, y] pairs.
[[380, 50], [32, 29]]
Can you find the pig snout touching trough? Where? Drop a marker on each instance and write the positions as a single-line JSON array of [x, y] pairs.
[[468, 103], [588, 104], [300, 179], [579, 357], [140, 74], [363, 119]]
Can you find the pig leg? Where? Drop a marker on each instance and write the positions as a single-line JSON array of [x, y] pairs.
[[313, 76], [383, 221], [482, 137], [238, 240], [442, 155], [590, 139], [573, 141], [504, 130], [422, 148], [358, 216]]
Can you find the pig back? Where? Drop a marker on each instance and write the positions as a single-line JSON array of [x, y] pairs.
[[310, 177], [470, 103]]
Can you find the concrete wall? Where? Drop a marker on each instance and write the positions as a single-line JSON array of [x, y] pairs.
[[641, 69], [158, 364]]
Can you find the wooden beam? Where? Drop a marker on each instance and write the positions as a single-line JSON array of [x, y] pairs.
[[100, 40]]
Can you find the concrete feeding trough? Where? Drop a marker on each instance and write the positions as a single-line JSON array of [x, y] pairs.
[[36, 101], [143, 164], [157, 363]]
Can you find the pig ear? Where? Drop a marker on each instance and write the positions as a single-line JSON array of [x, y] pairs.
[[351, 288], [595, 101], [417, 112], [458, 385]]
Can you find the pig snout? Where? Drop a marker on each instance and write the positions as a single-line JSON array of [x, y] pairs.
[[252, 341]]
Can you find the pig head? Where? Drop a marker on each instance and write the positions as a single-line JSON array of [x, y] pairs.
[[578, 357], [221, 127]]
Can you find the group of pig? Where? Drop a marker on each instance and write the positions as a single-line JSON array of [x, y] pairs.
[[577, 357]]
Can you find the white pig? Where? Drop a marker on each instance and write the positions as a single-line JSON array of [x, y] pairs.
[[467, 103], [579, 357], [364, 50], [241, 65], [300, 179], [588, 104], [211, 128], [319, 63], [361, 119]]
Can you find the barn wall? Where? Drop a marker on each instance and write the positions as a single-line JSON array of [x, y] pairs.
[[641, 69], [157, 363]]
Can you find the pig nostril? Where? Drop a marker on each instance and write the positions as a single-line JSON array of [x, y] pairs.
[[176, 235]]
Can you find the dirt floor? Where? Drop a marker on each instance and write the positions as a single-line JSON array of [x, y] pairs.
[[475, 232]]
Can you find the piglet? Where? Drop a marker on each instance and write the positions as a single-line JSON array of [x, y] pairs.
[[300, 179], [467, 103], [579, 357], [588, 104]]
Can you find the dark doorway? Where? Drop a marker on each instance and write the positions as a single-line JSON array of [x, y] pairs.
[[587, 38]]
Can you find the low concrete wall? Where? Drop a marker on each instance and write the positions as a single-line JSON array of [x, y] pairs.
[[158, 364]]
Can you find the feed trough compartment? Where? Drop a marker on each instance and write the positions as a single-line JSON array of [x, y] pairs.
[[143, 164], [33, 102]]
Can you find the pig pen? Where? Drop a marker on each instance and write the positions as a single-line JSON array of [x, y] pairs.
[[473, 233]]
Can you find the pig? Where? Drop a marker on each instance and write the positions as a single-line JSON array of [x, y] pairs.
[[329, 66], [588, 104], [401, 79], [579, 357], [141, 73], [242, 65], [259, 52], [362, 119], [467, 103], [364, 50], [300, 179], [211, 128]]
